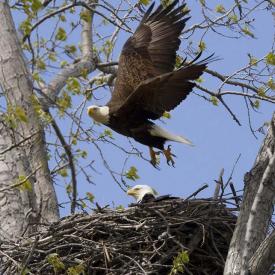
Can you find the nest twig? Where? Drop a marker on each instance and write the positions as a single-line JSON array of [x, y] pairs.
[[143, 239]]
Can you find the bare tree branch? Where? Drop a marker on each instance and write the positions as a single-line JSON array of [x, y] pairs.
[[69, 154]]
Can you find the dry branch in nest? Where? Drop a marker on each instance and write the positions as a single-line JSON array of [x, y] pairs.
[[143, 239]]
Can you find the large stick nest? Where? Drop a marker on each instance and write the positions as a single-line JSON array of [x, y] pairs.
[[143, 239]]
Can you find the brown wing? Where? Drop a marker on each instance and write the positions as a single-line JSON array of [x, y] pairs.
[[151, 51], [159, 94]]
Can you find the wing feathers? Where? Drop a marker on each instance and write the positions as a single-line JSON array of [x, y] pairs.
[[162, 93], [145, 73], [147, 14]]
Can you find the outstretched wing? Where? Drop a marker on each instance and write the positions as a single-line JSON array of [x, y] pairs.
[[159, 94], [151, 51]]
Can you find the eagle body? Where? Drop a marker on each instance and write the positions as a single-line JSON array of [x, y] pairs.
[[147, 85], [141, 132]]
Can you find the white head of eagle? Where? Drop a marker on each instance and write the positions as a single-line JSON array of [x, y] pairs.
[[139, 191], [99, 114]]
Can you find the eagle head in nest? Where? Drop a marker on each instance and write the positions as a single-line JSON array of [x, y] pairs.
[[142, 193]]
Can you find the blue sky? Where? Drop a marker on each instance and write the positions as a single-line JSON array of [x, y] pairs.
[[218, 139]]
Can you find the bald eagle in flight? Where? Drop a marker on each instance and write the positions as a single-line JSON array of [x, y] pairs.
[[146, 84]]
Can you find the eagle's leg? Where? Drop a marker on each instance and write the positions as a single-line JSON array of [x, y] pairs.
[[169, 156], [154, 159]]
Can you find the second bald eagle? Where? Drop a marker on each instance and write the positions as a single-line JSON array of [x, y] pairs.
[[146, 84]]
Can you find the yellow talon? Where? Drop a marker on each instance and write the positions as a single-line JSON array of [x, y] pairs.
[[169, 156], [154, 159]]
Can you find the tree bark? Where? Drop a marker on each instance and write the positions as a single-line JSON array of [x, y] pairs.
[[21, 209], [256, 178], [264, 258]]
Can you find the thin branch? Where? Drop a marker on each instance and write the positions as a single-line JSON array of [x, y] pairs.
[[229, 110], [22, 181], [197, 192], [69, 154], [219, 184], [12, 146], [227, 81], [29, 255]]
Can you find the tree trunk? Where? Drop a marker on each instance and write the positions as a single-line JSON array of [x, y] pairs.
[[264, 258], [21, 208], [260, 186]]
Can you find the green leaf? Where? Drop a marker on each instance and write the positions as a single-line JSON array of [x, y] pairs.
[[36, 77], [62, 17], [20, 113], [271, 84], [63, 172], [55, 261], [233, 18], [61, 34], [74, 141], [199, 80], [120, 208], [220, 9], [84, 154], [73, 85], [166, 3], [10, 118], [69, 189], [107, 47], [52, 56], [166, 115], [261, 91], [64, 102], [63, 63], [256, 104], [270, 58], [26, 26], [40, 64], [202, 46], [84, 73], [43, 116], [202, 2], [25, 184], [252, 60], [76, 270], [90, 197], [83, 204], [185, 9], [36, 5], [247, 31], [179, 60], [131, 174], [86, 16], [26, 271], [214, 100], [70, 48], [144, 2], [179, 262], [107, 133]]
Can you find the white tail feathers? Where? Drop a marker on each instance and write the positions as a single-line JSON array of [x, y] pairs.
[[160, 132]]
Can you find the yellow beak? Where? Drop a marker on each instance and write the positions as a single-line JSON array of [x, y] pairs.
[[131, 192], [90, 111]]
